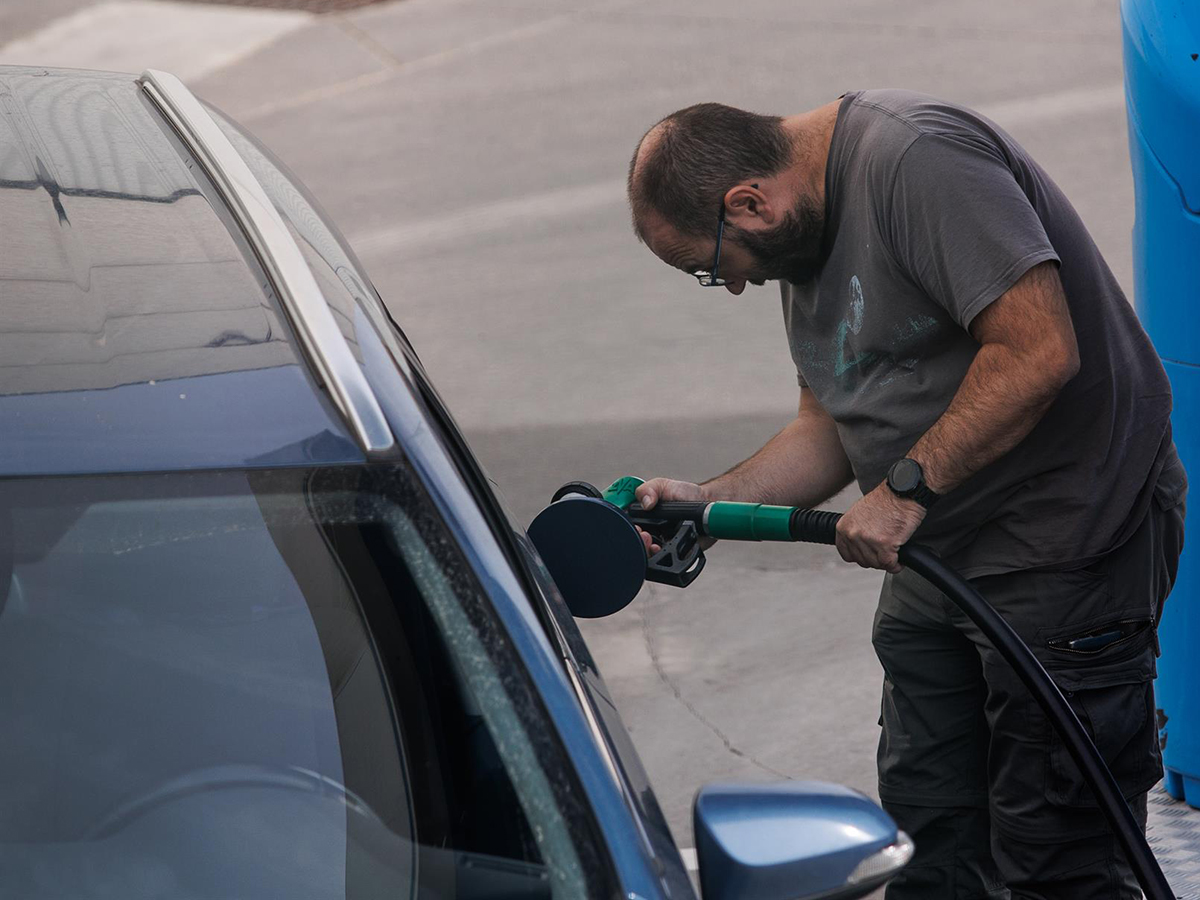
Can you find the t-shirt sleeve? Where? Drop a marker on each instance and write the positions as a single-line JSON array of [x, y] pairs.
[[960, 224]]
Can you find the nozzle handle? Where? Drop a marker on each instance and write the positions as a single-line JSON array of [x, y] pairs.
[[620, 492]]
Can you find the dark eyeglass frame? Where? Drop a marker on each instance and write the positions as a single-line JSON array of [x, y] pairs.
[[710, 278]]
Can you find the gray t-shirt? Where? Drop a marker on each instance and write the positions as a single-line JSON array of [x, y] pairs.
[[932, 212]]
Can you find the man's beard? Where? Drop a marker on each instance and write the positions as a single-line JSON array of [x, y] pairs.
[[791, 251]]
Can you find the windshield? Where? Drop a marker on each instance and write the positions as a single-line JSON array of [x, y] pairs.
[[264, 684]]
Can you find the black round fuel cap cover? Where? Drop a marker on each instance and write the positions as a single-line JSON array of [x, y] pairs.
[[593, 552]]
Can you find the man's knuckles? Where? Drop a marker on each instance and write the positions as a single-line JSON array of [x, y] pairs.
[[865, 534]]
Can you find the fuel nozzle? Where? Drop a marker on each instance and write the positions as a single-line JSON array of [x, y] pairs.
[[589, 539], [677, 532]]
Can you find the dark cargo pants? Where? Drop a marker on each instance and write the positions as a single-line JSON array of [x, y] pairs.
[[969, 765]]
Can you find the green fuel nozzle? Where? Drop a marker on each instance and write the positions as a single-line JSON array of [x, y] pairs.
[[725, 520], [580, 513], [621, 492]]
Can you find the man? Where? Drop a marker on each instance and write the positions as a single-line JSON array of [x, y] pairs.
[[965, 354]]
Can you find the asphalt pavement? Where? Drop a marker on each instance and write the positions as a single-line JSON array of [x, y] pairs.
[[475, 151]]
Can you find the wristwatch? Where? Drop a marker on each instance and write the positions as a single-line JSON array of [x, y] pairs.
[[905, 479]]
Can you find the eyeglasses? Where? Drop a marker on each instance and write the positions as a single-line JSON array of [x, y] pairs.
[[710, 278]]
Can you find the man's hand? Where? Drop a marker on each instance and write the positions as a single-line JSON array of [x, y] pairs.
[[668, 489], [873, 529]]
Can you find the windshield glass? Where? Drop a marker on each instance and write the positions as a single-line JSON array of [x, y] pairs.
[[263, 684]]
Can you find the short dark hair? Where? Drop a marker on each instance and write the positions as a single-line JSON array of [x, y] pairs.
[[701, 152]]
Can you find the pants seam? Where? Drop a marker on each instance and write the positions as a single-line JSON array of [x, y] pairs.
[[963, 800]]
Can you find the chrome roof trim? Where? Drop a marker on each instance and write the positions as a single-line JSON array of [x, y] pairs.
[[290, 276]]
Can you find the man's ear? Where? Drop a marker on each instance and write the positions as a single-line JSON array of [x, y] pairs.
[[747, 205]]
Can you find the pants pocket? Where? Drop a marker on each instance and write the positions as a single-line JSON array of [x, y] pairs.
[[1118, 715]]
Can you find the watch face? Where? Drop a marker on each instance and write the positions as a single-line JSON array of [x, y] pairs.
[[904, 476]]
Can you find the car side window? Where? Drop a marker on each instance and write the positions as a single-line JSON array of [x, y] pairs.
[[263, 683]]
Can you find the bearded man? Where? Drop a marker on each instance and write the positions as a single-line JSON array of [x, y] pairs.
[[965, 355]]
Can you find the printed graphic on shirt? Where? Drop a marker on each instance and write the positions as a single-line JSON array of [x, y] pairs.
[[850, 365], [852, 324]]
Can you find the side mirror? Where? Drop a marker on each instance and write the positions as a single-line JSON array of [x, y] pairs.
[[792, 840]]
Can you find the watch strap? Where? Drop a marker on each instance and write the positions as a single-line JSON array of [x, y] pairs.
[[923, 495]]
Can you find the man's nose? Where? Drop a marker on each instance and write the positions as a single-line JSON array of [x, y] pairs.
[[735, 287]]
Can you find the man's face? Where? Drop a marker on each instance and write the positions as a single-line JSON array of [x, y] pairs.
[[788, 251]]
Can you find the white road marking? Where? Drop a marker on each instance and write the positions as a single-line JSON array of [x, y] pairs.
[[187, 39], [450, 55], [559, 203], [433, 60], [690, 861], [1022, 111]]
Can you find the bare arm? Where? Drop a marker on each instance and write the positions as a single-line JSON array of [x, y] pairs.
[[803, 465], [1027, 353]]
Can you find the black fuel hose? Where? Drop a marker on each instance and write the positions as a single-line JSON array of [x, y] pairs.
[[820, 527]]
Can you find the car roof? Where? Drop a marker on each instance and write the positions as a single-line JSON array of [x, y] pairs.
[[151, 316]]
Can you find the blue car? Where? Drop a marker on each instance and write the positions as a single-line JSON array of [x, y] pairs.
[[265, 631]]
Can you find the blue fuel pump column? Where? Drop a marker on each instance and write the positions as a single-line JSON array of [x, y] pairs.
[[1162, 96]]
